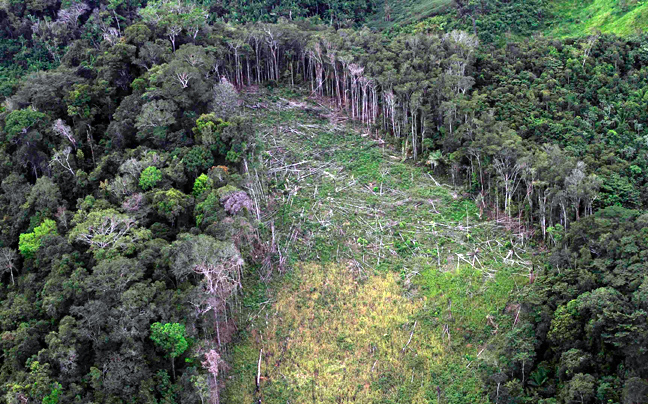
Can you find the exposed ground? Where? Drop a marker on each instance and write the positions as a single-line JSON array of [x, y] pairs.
[[396, 280]]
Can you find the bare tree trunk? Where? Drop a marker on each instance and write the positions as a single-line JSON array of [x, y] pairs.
[[214, 392], [218, 339], [258, 377]]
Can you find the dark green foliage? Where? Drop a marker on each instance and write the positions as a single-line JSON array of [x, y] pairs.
[[115, 114], [232, 139], [172, 204], [342, 13], [588, 311], [198, 159], [209, 210], [491, 21], [155, 120], [96, 100]]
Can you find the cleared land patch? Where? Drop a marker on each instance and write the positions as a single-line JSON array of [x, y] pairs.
[[398, 281]]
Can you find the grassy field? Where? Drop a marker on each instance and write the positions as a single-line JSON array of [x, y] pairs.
[[577, 18], [397, 283], [567, 18]]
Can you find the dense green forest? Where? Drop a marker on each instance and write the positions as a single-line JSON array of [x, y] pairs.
[[360, 201]]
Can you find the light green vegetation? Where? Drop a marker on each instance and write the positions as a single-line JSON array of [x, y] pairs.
[[561, 18], [397, 284], [406, 12], [577, 18], [150, 177], [30, 242]]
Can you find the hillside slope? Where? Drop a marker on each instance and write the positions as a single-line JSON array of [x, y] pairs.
[[396, 287], [577, 18], [561, 18], [394, 13]]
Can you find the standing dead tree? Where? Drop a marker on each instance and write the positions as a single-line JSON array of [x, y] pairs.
[[62, 158], [212, 364], [8, 258]]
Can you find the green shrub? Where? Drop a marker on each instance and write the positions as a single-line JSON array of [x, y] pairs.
[[170, 337], [29, 243], [150, 177], [200, 185]]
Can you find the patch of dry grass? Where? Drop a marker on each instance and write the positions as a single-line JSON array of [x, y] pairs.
[[333, 339]]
